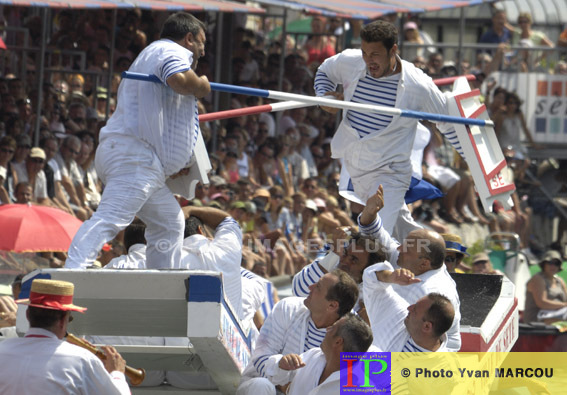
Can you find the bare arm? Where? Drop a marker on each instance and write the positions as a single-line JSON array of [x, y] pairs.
[[537, 287], [4, 197], [209, 215], [189, 83], [398, 276]]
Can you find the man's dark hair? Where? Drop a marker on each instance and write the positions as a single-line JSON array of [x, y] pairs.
[[440, 314], [345, 291], [44, 318], [376, 252], [192, 225], [179, 24], [134, 233], [356, 334], [380, 31], [435, 252], [22, 184]]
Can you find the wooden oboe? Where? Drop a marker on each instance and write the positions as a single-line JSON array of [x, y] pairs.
[[136, 376]]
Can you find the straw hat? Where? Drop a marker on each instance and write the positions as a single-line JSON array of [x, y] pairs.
[[454, 243], [53, 295]]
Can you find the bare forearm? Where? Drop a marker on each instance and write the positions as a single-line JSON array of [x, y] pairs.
[[209, 215]]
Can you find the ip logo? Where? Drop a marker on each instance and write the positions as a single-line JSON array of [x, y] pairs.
[[366, 373]]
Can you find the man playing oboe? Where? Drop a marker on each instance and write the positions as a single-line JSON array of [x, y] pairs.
[[42, 363]]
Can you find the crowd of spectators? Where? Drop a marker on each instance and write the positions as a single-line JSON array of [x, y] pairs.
[[274, 173]]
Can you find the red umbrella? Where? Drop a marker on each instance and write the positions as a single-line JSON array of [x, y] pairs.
[[26, 228]]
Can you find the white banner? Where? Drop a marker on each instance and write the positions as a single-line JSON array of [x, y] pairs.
[[545, 103]]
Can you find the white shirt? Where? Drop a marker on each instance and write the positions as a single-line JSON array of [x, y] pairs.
[[305, 380], [71, 171], [222, 254], [56, 170], [416, 91], [40, 187], [283, 333], [434, 280], [135, 259], [155, 113], [387, 311], [47, 365]]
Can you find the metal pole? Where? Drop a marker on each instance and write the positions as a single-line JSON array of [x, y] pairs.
[[460, 50], [218, 65], [45, 12], [282, 64], [110, 66]]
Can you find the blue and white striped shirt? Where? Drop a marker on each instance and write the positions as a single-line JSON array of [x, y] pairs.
[[376, 91]]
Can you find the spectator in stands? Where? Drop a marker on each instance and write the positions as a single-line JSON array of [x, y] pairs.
[[398, 326], [546, 293], [71, 177], [500, 32], [413, 35], [4, 198], [481, 264], [455, 251], [24, 193], [319, 47], [55, 191], [32, 172], [531, 38], [317, 371], [284, 174], [7, 149], [299, 167], [434, 65], [510, 124], [295, 326], [23, 148]]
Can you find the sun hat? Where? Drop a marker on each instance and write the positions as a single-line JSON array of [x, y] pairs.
[[52, 295]]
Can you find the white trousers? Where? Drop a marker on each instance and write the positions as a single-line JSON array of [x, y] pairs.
[[256, 386], [395, 179], [134, 185]]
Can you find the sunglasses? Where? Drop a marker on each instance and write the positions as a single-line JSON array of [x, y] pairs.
[[37, 160], [7, 151], [450, 259]]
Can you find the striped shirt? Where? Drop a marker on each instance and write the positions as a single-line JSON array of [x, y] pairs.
[[267, 296], [155, 113], [284, 332], [378, 91], [314, 336]]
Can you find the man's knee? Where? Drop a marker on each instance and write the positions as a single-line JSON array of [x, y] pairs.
[[256, 386]]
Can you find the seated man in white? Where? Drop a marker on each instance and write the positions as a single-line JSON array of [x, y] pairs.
[[423, 253], [398, 326], [317, 371], [295, 326], [135, 244]]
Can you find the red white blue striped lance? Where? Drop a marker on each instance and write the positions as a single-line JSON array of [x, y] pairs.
[[328, 102]]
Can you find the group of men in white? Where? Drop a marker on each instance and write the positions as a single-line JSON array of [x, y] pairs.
[[403, 290]]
